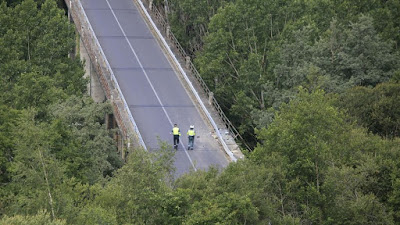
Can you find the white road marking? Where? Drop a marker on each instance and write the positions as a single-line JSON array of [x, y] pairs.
[[147, 77]]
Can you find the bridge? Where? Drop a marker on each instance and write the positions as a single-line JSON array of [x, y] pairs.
[[133, 66]]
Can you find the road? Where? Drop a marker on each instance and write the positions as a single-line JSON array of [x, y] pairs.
[[155, 95]]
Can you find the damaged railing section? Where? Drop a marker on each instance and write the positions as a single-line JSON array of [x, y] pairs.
[[121, 111]]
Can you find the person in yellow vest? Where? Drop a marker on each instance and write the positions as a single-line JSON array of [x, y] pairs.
[[176, 133], [191, 135]]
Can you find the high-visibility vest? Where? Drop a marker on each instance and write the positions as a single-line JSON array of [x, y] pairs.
[[191, 133], [175, 131]]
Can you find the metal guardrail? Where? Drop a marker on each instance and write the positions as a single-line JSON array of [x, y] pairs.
[[165, 26], [107, 79], [188, 82]]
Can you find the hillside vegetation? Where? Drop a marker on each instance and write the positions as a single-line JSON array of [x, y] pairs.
[[312, 85]]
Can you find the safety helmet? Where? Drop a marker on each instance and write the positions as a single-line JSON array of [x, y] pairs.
[[191, 127]]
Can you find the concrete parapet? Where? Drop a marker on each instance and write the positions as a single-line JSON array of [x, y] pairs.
[[96, 61], [182, 63]]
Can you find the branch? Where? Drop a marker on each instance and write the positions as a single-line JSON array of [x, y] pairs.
[[47, 183], [233, 66]]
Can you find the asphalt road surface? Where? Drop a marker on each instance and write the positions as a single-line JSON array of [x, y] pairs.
[[149, 84]]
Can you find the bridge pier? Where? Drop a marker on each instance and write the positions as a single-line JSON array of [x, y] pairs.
[[95, 90], [103, 86], [94, 87]]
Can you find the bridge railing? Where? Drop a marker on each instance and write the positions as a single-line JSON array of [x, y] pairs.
[[107, 78], [160, 19]]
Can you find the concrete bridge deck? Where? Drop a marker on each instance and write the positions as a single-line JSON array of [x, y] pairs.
[[155, 95]]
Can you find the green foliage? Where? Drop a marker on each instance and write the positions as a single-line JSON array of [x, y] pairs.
[[265, 185], [96, 215], [348, 203], [34, 44], [81, 139], [355, 56], [133, 195], [13, 3], [261, 51], [385, 20], [234, 60], [200, 200], [35, 90], [306, 132], [41, 218], [394, 199], [311, 167], [37, 176], [312, 163], [343, 58], [376, 108], [190, 19], [227, 208], [314, 142], [53, 141], [8, 120]]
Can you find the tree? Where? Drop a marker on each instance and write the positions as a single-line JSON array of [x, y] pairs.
[[135, 193], [81, 139], [36, 90], [95, 215], [227, 208], [375, 108], [189, 21], [37, 43], [53, 140], [8, 121], [309, 132], [385, 20], [41, 218], [251, 52], [235, 59], [335, 163], [36, 175], [310, 135], [356, 56], [348, 204], [266, 185], [50, 49], [13, 3]]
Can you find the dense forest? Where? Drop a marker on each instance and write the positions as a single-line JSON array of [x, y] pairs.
[[313, 86]]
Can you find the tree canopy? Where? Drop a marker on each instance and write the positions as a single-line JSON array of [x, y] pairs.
[[254, 54], [312, 85], [53, 138]]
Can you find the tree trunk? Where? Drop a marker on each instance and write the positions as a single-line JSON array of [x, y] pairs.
[[47, 184]]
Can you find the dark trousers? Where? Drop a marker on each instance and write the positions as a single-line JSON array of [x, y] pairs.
[[191, 141], [176, 139]]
